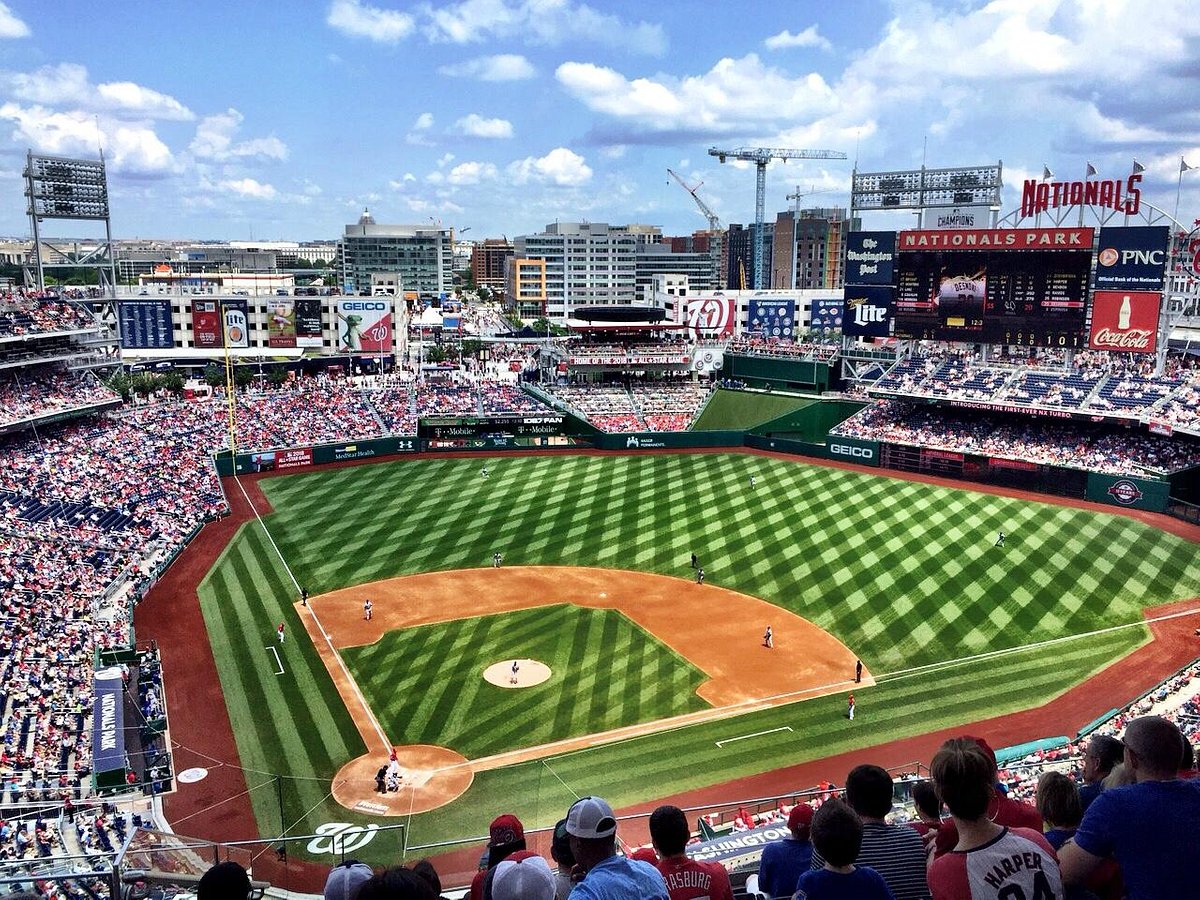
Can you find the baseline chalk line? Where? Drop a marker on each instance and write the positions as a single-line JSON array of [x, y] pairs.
[[278, 662], [742, 737]]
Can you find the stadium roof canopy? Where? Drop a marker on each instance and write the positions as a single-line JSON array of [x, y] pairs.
[[625, 313]]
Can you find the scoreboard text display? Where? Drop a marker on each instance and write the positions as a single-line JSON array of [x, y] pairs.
[[1024, 287]]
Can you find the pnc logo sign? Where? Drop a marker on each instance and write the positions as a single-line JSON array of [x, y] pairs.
[[852, 452], [1110, 256]]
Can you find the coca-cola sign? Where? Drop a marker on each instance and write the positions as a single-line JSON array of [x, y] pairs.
[[1125, 321]]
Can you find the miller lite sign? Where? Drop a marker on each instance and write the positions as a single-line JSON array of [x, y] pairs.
[[868, 310], [1125, 321]]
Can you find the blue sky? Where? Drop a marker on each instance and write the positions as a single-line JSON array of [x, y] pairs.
[[277, 120]]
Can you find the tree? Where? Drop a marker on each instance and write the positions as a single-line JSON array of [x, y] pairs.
[[214, 375], [436, 354], [471, 346], [242, 376], [119, 382], [278, 376], [172, 382], [145, 383]]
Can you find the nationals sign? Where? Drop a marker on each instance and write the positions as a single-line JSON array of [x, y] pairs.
[[707, 317], [1125, 321]]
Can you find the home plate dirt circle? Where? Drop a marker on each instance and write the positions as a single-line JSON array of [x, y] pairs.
[[529, 673], [431, 776]]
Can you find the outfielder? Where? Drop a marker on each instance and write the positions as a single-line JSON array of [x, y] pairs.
[[279, 631]]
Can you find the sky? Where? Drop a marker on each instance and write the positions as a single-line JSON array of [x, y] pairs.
[[272, 120]]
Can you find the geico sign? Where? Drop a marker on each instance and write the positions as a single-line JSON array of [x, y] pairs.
[[856, 452], [364, 304]]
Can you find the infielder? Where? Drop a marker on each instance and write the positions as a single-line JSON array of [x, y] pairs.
[[367, 607], [700, 575], [769, 638], [515, 669]]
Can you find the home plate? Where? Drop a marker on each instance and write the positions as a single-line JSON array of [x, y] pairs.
[[415, 778]]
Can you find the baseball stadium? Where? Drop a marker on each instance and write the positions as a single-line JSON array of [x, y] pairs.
[[676, 554]]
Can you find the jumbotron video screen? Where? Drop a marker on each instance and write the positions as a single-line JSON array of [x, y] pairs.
[[988, 294]]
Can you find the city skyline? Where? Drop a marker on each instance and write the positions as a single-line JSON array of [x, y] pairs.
[[282, 122]]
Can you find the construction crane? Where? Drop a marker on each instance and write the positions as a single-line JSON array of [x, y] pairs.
[[798, 196], [760, 156], [714, 222]]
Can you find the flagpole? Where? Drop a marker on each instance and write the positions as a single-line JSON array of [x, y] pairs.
[[1178, 189]]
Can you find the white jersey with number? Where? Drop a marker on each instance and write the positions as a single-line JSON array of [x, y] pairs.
[[1018, 864]]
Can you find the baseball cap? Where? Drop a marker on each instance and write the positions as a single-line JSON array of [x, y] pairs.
[[801, 816], [591, 818], [505, 829], [523, 876], [345, 880], [560, 845]]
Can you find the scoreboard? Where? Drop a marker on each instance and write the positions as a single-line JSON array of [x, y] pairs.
[[443, 427], [1018, 287]]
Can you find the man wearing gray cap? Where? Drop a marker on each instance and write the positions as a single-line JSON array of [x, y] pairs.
[[592, 830]]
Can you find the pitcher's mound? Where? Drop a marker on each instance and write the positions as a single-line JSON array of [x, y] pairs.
[[529, 672]]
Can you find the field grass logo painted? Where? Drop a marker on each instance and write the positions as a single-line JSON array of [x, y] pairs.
[[1125, 492], [341, 837]]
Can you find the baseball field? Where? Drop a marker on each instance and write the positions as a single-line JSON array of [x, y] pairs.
[[843, 564]]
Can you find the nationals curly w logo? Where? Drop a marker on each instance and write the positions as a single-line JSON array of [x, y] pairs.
[[709, 317]]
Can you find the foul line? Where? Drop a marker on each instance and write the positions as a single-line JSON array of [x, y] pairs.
[[742, 737], [277, 661], [370, 713]]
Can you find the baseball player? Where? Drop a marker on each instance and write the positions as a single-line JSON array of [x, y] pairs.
[[367, 607], [700, 575], [512, 679], [304, 596], [850, 707], [279, 631], [1000, 539], [769, 638], [858, 671], [753, 481], [484, 473]]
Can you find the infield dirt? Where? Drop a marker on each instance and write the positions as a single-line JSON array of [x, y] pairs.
[[718, 631]]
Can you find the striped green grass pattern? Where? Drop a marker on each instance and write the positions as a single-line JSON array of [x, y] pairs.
[[904, 573], [606, 672]]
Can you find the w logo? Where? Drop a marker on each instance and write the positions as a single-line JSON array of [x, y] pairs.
[[710, 317]]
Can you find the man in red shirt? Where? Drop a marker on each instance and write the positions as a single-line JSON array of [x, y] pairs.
[[687, 879]]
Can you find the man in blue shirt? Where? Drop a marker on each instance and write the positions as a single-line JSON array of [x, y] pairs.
[[1149, 827], [592, 831], [783, 861]]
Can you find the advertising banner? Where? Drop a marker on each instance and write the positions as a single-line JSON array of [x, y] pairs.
[[145, 324], [827, 314], [773, 318], [707, 317], [308, 321], [1131, 493], [739, 848], [706, 360], [296, 458], [856, 450], [869, 310], [1125, 321], [281, 322], [870, 257], [108, 721], [956, 217], [364, 324], [1132, 258], [207, 333], [999, 239], [237, 323]]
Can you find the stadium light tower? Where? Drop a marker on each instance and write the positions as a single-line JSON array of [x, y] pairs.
[[760, 156]]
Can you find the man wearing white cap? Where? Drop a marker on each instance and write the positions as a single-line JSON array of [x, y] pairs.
[[592, 830], [523, 876]]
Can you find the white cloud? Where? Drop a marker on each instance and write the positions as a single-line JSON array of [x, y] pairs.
[[504, 67], [471, 173], [547, 22], [10, 25], [130, 148], [424, 122], [732, 96], [809, 37], [614, 151], [355, 19], [417, 135], [476, 126], [67, 84], [559, 167], [249, 188], [214, 140]]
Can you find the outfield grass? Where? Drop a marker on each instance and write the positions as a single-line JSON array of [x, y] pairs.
[[606, 673], [903, 573], [743, 410]]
